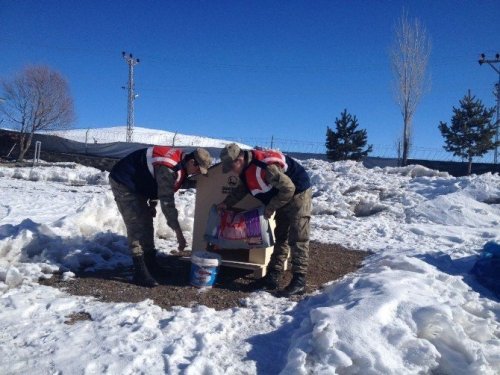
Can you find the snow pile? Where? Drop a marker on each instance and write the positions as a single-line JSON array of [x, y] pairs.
[[86, 239], [129, 338], [73, 347], [408, 310], [417, 171], [91, 237], [141, 135], [401, 316], [371, 208], [412, 308], [71, 173]]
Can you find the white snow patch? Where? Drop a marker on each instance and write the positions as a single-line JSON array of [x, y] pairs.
[[70, 173], [412, 308]]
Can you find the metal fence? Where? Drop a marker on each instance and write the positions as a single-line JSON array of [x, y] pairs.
[[379, 150], [98, 140]]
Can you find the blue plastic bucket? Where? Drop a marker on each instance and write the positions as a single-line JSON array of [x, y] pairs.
[[204, 267]]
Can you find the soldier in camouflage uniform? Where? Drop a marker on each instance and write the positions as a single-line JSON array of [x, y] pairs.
[[137, 182], [283, 186]]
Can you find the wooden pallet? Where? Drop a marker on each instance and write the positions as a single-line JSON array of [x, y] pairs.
[[259, 270]]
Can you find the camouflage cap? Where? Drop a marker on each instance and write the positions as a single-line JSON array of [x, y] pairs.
[[229, 154], [203, 159]]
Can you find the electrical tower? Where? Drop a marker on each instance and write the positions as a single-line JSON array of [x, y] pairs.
[[131, 61], [492, 63]]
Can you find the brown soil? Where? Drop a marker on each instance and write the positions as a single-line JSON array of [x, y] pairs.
[[77, 317], [327, 263]]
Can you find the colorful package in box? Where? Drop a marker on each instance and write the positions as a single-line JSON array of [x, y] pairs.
[[230, 229]]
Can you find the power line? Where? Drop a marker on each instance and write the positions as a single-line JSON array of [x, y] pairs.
[[183, 62]]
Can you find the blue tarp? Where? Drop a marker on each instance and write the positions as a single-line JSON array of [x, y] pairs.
[[487, 268]]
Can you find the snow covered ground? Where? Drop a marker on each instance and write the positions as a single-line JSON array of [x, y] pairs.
[[140, 135], [411, 309]]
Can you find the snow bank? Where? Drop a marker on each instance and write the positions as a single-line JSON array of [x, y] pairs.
[[400, 316], [91, 237], [129, 338], [49, 344], [417, 171], [372, 206], [407, 311], [84, 240], [71, 173]]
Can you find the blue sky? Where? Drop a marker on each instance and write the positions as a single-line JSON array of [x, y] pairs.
[[252, 69]]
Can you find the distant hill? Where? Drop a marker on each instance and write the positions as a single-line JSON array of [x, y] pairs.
[[140, 135]]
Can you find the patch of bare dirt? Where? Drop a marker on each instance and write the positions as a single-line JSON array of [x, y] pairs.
[[77, 317], [327, 263]]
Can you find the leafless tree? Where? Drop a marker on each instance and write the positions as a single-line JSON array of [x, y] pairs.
[[37, 98], [409, 58]]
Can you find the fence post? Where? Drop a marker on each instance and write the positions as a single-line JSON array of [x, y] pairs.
[[12, 149], [38, 149], [86, 139]]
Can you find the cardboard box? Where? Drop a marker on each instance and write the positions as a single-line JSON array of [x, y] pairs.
[[212, 189]]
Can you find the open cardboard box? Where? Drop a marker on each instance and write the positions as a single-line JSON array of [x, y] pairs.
[[212, 189]]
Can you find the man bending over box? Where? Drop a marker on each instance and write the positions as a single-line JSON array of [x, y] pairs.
[[283, 186]]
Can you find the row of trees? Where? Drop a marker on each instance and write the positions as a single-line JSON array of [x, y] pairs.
[[471, 131], [38, 98], [470, 134]]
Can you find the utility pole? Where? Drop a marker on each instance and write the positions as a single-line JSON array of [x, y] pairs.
[[492, 63], [129, 59]]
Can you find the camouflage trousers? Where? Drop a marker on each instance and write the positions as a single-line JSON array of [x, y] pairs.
[[292, 233], [137, 216]]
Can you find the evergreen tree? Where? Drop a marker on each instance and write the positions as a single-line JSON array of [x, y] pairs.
[[346, 143], [471, 131]]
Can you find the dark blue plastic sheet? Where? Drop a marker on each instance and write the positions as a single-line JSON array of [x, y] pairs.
[[487, 268]]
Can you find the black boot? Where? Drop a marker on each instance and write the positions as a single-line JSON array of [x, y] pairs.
[[268, 282], [296, 287], [142, 276], [151, 263]]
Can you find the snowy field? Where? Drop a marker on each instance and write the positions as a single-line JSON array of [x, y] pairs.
[[140, 135], [412, 308]]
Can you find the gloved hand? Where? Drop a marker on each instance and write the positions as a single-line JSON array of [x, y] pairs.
[[180, 239], [152, 207]]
